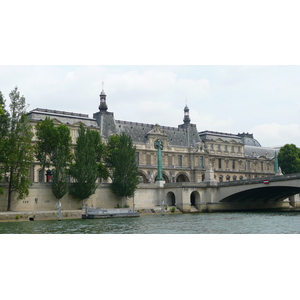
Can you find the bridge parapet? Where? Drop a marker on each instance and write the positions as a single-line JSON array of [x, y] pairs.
[[260, 180]]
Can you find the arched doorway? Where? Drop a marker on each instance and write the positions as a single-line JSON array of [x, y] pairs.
[[194, 198], [182, 178], [170, 199], [142, 177]]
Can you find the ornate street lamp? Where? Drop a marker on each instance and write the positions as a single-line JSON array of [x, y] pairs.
[[158, 144]]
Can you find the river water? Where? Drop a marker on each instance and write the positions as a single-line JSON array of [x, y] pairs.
[[203, 223]]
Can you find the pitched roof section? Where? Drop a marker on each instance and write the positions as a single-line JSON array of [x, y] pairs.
[[40, 114], [225, 137], [253, 151], [176, 136], [180, 136]]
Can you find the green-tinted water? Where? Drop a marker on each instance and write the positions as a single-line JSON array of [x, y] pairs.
[[204, 223]]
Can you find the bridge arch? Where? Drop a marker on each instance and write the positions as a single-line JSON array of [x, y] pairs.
[[170, 199], [275, 193]]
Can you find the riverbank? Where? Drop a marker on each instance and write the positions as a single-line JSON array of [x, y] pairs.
[[6, 216]]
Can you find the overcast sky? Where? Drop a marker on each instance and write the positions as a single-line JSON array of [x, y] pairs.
[[237, 69], [263, 100]]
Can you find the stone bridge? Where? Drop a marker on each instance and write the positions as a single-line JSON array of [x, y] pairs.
[[276, 192]]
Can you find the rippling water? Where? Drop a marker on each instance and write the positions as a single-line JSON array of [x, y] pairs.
[[204, 223]]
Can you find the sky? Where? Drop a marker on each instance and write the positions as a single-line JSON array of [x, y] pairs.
[[238, 70], [259, 99]]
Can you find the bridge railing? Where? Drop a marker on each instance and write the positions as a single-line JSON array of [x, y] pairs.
[[274, 178]]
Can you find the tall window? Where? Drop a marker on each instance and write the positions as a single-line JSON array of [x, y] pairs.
[[233, 164], [41, 176], [170, 162], [137, 158], [220, 163], [262, 165], [179, 160], [201, 162]]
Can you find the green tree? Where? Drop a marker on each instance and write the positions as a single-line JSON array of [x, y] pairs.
[[54, 148], [61, 157], [121, 157], [59, 183], [4, 127], [18, 149], [46, 141], [289, 159], [85, 169]]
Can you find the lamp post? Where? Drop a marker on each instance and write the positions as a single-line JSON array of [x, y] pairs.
[[159, 146]]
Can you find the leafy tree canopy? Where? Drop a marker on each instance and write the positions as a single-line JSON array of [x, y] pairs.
[[16, 146], [289, 159], [85, 169], [121, 158]]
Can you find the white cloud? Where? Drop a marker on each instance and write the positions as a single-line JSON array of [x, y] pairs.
[[273, 135]]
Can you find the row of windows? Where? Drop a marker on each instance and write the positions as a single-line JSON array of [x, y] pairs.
[[233, 165], [226, 148], [228, 163], [234, 178]]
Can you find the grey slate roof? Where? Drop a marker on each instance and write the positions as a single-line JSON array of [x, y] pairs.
[[253, 151], [214, 135], [177, 136], [64, 117], [249, 140]]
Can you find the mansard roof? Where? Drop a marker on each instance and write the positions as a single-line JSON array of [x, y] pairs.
[[177, 136], [214, 136], [254, 151], [64, 117], [248, 139]]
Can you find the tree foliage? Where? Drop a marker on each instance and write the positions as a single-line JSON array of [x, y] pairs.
[[85, 169], [121, 158], [16, 147], [4, 127], [46, 140], [53, 148], [289, 159], [59, 183]]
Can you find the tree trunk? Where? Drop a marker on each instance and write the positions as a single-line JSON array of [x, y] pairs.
[[9, 192]]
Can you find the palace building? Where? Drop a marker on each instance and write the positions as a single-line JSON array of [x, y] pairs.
[[187, 153]]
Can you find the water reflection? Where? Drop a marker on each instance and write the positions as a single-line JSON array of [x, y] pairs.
[[204, 223]]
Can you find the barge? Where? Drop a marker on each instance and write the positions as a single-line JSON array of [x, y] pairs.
[[102, 213]]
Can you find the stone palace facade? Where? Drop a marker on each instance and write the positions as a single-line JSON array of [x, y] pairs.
[[187, 153]]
